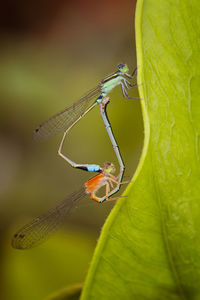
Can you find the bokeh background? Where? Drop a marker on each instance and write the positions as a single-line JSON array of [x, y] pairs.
[[51, 53]]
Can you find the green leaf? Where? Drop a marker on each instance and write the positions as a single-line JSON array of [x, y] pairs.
[[150, 245]]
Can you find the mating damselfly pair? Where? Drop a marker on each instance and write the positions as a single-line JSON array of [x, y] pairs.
[[41, 227]]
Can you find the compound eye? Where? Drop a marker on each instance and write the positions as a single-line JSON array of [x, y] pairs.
[[107, 165], [123, 68]]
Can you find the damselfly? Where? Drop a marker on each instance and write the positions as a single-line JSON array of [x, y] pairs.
[[67, 118], [40, 228]]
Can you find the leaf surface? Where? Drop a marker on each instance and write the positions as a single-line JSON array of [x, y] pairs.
[[149, 247]]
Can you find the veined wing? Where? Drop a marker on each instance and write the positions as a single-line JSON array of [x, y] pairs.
[[40, 228], [64, 119]]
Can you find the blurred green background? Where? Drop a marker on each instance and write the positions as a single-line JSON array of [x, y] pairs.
[[51, 53]]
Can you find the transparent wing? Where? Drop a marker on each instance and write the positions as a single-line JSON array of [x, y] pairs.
[[64, 119], [40, 228]]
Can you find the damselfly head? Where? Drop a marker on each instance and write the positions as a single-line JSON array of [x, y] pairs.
[[123, 68], [109, 167]]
